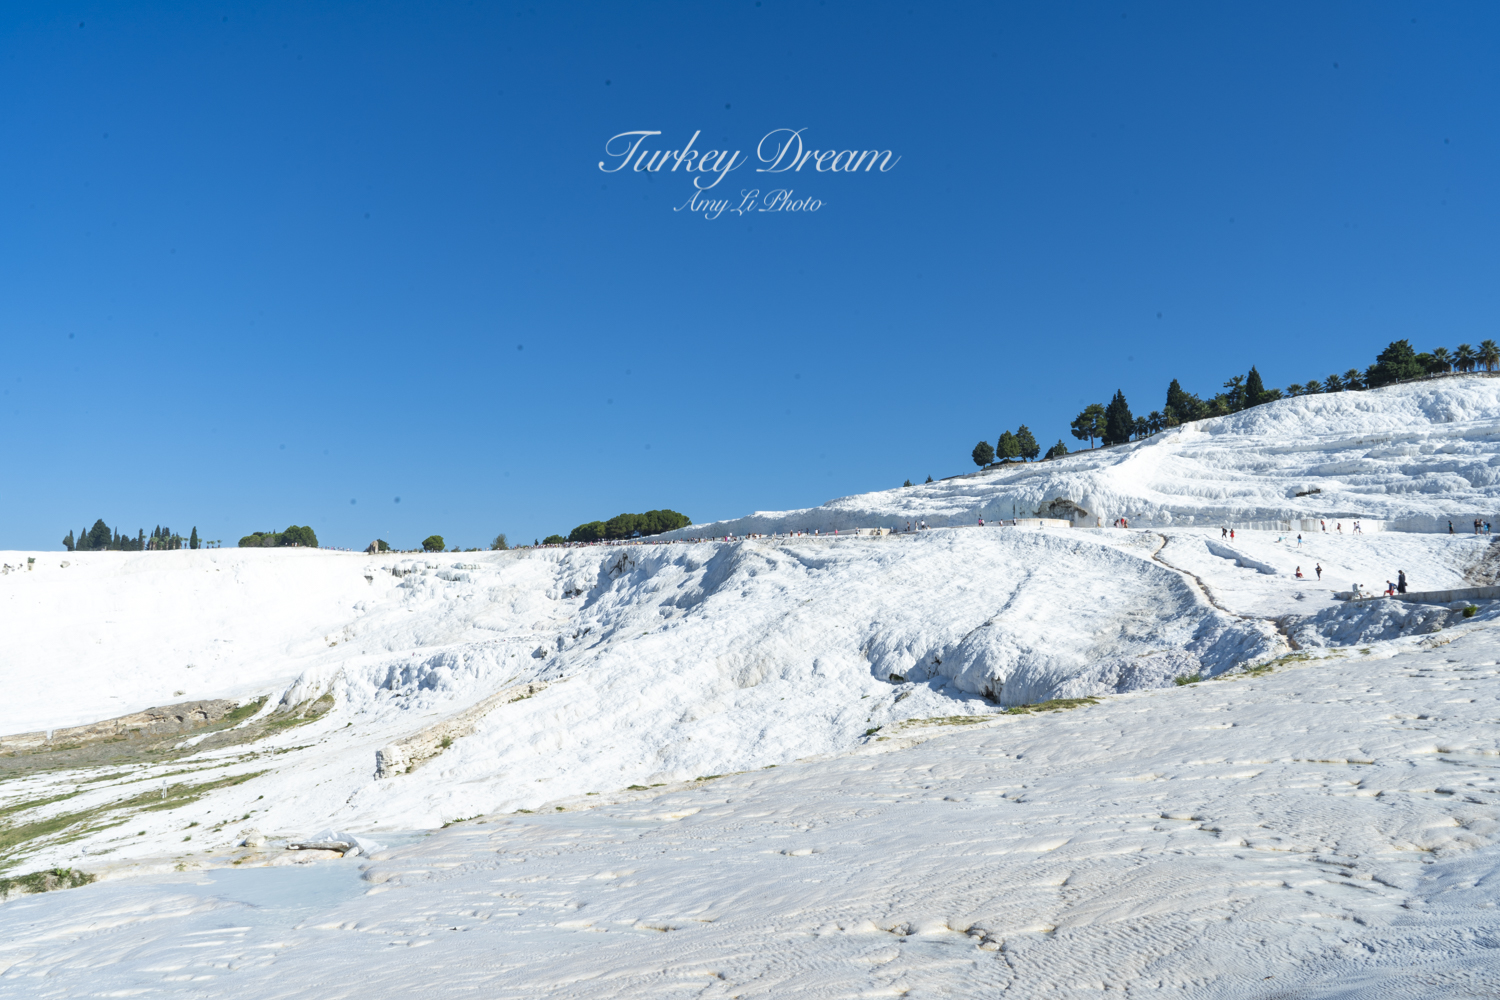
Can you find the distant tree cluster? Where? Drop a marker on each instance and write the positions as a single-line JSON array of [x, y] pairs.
[[432, 543], [554, 540], [653, 522], [294, 535], [1113, 424], [101, 537], [1008, 448]]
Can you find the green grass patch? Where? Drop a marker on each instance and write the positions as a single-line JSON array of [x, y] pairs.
[[180, 794], [69, 826], [635, 788], [947, 720], [244, 712], [1051, 705], [13, 836], [34, 804], [1185, 679]]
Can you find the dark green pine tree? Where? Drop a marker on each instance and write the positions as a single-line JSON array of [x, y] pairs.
[[1396, 363], [1179, 403], [68, 542], [929, 479], [982, 454], [1008, 447], [1029, 448], [1118, 423], [193, 538], [1255, 389], [140, 540]]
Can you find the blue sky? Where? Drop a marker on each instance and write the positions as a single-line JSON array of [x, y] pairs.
[[275, 264]]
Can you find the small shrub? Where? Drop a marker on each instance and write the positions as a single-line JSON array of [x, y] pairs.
[[635, 788], [446, 743], [45, 881], [1471, 610], [872, 732], [1187, 679]]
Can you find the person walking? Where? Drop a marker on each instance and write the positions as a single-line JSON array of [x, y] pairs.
[[1401, 581], [1450, 527], [1299, 540], [1324, 526], [981, 520], [1231, 534], [1318, 569], [1223, 532]]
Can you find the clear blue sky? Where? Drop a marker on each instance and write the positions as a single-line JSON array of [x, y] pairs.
[[274, 264]]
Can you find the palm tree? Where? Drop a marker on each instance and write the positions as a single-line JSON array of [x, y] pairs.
[[1155, 422], [1313, 387], [1295, 389], [1442, 357], [1463, 358], [1333, 384], [1489, 355], [1353, 380], [1141, 428]]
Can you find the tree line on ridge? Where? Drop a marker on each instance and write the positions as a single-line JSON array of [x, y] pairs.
[[1114, 423]]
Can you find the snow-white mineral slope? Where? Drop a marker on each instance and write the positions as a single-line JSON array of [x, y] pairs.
[[913, 838], [1414, 456], [1325, 830]]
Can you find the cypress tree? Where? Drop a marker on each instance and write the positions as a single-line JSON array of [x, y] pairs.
[[1118, 423], [1255, 389], [193, 538], [1179, 402], [68, 542]]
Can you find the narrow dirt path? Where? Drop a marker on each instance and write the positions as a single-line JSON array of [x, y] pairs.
[[1208, 594]]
